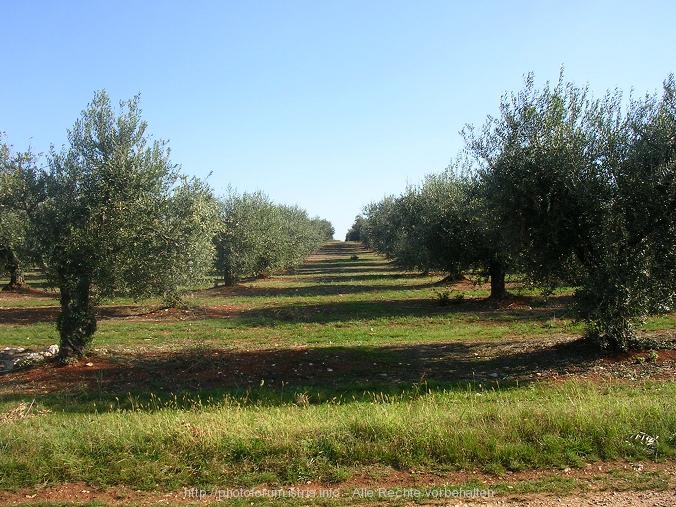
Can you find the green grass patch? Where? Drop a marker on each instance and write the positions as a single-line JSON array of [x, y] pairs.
[[166, 446], [340, 366]]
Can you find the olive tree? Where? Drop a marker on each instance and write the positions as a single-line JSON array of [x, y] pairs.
[[257, 236], [381, 226], [21, 190], [119, 219], [325, 228], [461, 234], [355, 232], [634, 269], [441, 225], [585, 193]]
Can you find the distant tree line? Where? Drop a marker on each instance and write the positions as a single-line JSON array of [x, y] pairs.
[[561, 187], [111, 215], [257, 237]]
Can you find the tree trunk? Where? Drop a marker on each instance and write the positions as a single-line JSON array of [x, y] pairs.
[[497, 274], [454, 273], [77, 322], [16, 280], [452, 277], [229, 279]]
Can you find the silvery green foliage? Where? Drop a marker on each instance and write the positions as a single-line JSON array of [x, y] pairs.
[[119, 219], [585, 189], [538, 163], [564, 188], [325, 228], [356, 232], [635, 271], [258, 237], [451, 223], [440, 225], [20, 193]]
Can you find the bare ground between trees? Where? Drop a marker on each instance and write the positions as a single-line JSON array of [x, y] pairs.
[[600, 484], [491, 363]]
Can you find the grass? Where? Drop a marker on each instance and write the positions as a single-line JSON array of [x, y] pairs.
[[339, 367], [243, 333], [617, 480], [160, 444]]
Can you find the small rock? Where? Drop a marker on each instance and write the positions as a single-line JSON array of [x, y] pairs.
[[89, 364]]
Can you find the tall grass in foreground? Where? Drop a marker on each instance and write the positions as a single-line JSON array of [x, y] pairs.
[[160, 446]]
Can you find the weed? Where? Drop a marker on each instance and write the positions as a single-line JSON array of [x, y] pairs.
[[646, 441], [443, 298], [302, 399]]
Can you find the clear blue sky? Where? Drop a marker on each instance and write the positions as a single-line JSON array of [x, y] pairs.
[[325, 104]]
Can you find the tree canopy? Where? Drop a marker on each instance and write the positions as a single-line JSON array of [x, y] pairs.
[[562, 187], [257, 236], [21, 190], [119, 218]]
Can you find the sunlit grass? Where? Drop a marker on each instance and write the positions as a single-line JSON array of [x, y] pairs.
[[164, 445], [156, 436]]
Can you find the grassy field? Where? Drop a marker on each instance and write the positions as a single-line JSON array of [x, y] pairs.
[[345, 372]]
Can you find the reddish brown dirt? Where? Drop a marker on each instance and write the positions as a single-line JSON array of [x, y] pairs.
[[30, 315], [592, 482], [26, 293], [484, 363]]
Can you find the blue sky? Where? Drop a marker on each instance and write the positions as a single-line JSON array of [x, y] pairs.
[[325, 104]]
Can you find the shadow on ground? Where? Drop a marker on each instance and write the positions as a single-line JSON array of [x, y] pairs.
[[316, 290], [522, 307], [510, 309], [279, 376], [361, 277]]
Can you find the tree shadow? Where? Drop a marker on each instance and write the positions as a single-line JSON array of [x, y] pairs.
[[41, 314], [36, 283], [368, 277], [38, 280], [353, 268], [416, 307], [281, 376], [342, 248], [316, 290], [317, 313]]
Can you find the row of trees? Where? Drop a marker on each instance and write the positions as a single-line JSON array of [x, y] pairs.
[[19, 192], [561, 187], [258, 236], [111, 215]]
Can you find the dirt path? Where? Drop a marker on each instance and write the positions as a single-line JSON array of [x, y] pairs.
[[609, 499], [595, 485], [119, 496]]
